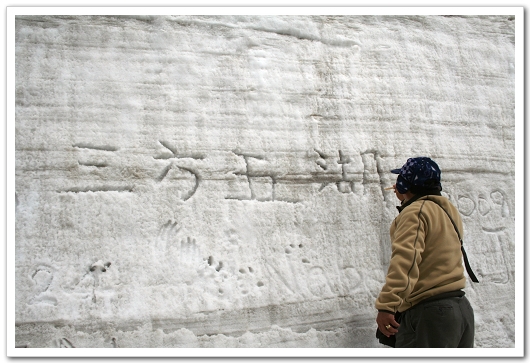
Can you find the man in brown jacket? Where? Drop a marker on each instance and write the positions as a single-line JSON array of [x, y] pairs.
[[425, 277]]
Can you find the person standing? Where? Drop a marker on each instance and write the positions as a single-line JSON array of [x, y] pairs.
[[425, 278]]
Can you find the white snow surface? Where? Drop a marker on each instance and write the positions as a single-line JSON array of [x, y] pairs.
[[218, 181]]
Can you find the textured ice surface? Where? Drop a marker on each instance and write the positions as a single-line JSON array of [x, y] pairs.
[[218, 181]]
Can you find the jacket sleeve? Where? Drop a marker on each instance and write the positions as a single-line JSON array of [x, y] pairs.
[[408, 243]]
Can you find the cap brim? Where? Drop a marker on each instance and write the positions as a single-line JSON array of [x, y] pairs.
[[395, 171]]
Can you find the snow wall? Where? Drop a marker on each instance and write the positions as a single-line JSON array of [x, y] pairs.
[[219, 181]]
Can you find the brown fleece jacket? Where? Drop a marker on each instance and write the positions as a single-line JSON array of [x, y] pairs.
[[426, 257]]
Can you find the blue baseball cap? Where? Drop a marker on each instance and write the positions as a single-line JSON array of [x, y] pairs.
[[417, 173]]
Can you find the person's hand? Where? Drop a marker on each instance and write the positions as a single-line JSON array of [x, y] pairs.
[[386, 323]]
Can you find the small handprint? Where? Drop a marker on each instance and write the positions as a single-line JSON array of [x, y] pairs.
[[190, 255], [166, 235]]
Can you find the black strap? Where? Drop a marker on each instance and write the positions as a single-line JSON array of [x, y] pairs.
[[466, 262]]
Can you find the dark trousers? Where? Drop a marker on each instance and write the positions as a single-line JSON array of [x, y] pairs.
[[444, 323]]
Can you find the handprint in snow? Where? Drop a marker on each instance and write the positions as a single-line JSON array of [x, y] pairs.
[[179, 258], [166, 236], [189, 260]]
